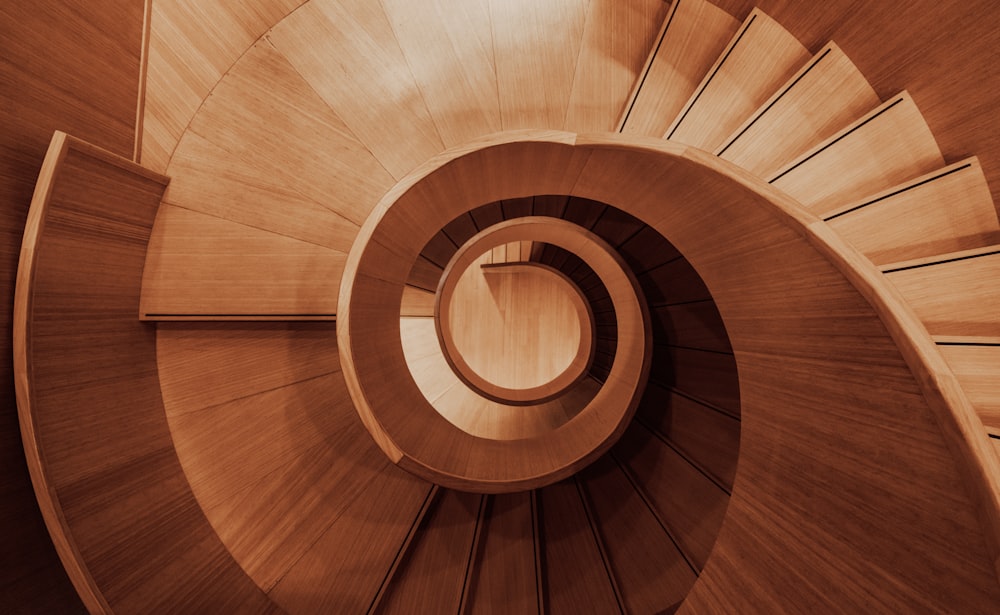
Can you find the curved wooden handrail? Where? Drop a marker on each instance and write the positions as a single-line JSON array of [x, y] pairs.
[[546, 391], [814, 327]]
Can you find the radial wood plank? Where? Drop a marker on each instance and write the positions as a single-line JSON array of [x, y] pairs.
[[617, 36], [693, 35], [356, 553], [417, 302], [650, 571], [708, 437], [697, 324], [953, 294], [761, 56], [977, 367], [192, 45], [660, 472], [448, 44], [385, 110], [674, 282], [264, 114], [890, 145], [573, 576], [537, 46], [948, 210], [503, 578], [433, 571], [827, 94], [202, 266]]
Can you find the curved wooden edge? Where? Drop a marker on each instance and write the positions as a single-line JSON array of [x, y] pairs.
[[48, 499], [578, 366], [959, 422]]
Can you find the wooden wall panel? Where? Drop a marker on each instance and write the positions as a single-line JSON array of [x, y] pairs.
[[83, 80]]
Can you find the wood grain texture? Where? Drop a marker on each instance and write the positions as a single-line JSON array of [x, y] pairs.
[[647, 566], [761, 56], [386, 109], [697, 324], [417, 302], [536, 47], [192, 45], [573, 573], [693, 35], [617, 36], [890, 145], [827, 94], [433, 571], [953, 294], [124, 519], [503, 577], [448, 45], [207, 267], [976, 366], [947, 210], [70, 66]]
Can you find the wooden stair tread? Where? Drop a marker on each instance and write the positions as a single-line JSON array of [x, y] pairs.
[[693, 35], [948, 210], [761, 56], [977, 368], [890, 145], [828, 93]]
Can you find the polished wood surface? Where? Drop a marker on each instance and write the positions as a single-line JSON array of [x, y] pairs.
[[761, 56], [78, 282], [947, 210], [976, 363], [503, 576], [884, 148], [828, 93], [693, 35]]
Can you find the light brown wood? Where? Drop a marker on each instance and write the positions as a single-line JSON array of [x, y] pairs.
[[953, 294], [947, 210], [693, 35], [417, 302], [650, 571], [828, 93], [192, 44], [976, 364], [503, 578], [210, 268], [761, 56], [536, 46], [381, 110], [78, 281], [617, 36], [888, 146]]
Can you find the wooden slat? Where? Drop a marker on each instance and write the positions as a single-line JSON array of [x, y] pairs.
[[386, 107], [696, 324], [617, 36], [503, 579], [453, 38], [947, 210], [616, 226], [693, 35], [890, 145], [192, 45], [953, 294], [648, 250], [689, 503], [208, 268], [417, 302], [432, 573], [574, 577], [827, 94], [355, 555], [761, 56], [536, 94], [650, 571], [673, 282], [709, 438], [977, 366]]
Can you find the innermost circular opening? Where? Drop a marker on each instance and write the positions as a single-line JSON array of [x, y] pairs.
[[516, 324]]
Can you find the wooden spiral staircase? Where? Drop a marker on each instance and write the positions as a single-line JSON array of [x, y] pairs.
[[819, 426]]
